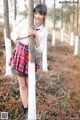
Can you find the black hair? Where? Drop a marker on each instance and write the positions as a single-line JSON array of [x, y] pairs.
[[41, 8]]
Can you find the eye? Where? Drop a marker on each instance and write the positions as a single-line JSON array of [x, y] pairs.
[[40, 13], [35, 12]]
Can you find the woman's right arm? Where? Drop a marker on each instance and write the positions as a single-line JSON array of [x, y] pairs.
[[15, 35]]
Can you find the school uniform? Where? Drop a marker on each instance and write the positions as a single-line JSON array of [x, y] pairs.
[[20, 56]]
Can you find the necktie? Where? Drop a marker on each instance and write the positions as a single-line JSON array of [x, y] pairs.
[[37, 29]]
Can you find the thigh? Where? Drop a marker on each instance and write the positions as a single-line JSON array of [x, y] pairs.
[[27, 81], [22, 81], [16, 72]]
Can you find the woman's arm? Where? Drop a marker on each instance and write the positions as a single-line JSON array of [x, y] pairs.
[[33, 32], [16, 33], [42, 41], [22, 36]]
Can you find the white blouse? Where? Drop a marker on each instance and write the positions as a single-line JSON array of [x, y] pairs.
[[22, 29]]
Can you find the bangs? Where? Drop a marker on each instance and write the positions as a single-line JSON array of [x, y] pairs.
[[37, 10], [41, 8]]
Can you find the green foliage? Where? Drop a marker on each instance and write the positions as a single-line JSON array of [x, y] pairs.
[[67, 12], [50, 13], [66, 16], [12, 116]]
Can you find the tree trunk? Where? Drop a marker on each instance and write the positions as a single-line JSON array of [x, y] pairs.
[[15, 10], [15, 13], [54, 14], [6, 18], [31, 82], [62, 25], [72, 27], [43, 1], [62, 17], [53, 32], [77, 16], [38, 1], [77, 39], [73, 15], [31, 23], [7, 37]]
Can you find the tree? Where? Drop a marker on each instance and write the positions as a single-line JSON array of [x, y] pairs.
[[73, 15], [53, 33], [15, 9], [62, 16], [43, 1], [77, 17], [72, 27], [77, 40], [7, 36], [62, 24], [32, 90], [15, 13], [37, 1], [6, 18]]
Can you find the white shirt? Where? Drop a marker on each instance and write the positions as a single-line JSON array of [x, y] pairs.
[[22, 29]]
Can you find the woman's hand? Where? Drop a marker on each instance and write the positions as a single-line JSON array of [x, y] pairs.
[[32, 32]]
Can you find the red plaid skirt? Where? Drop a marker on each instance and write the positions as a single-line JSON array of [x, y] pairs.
[[20, 58]]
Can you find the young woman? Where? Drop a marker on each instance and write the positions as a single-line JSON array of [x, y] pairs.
[[20, 56]]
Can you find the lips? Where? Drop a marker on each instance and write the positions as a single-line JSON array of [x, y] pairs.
[[37, 19]]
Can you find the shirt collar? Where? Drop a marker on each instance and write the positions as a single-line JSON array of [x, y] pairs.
[[40, 27]]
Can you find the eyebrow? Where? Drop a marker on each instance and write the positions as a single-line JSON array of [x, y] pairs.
[[38, 11]]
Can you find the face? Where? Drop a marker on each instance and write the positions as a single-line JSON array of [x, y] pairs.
[[39, 17]]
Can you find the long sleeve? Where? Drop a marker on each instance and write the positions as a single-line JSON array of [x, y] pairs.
[[15, 33], [18, 30]]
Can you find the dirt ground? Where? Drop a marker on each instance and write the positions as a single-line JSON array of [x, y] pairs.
[[57, 91]]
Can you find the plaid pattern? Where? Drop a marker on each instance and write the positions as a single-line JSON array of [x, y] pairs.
[[20, 59]]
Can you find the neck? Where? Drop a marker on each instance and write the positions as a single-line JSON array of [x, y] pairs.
[[37, 25]]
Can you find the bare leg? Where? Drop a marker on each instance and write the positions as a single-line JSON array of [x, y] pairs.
[[27, 83], [23, 90]]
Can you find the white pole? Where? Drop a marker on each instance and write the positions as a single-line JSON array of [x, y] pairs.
[[44, 59], [8, 54], [76, 46], [62, 34], [72, 39], [32, 92], [31, 72], [53, 37]]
